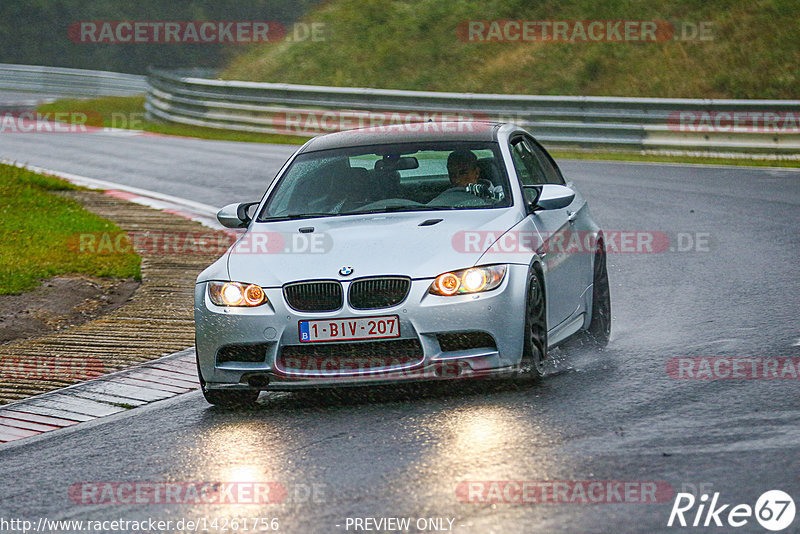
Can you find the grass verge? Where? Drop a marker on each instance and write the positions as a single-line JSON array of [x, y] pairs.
[[38, 231], [127, 112]]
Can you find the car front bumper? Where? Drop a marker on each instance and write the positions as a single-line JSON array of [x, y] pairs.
[[266, 330]]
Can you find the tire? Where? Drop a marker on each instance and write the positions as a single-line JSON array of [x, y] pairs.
[[600, 324], [235, 398], [534, 352]]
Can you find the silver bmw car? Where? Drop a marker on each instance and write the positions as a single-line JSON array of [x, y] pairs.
[[431, 251]]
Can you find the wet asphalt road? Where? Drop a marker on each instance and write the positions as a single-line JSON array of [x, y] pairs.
[[607, 415]]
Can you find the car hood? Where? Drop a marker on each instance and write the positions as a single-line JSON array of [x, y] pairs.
[[273, 253]]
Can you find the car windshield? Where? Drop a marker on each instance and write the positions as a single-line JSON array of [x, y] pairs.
[[389, 178]]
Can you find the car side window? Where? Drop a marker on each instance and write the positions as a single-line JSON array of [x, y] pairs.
[[551, 172], [529, 170]]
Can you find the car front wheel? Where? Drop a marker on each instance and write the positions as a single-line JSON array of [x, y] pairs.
[[236, 398], [600, 324], [535, 343]]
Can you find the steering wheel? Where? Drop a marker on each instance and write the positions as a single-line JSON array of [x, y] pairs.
[[482, 188]]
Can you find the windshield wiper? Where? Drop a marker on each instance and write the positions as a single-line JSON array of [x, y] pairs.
[[296, 216], [389, 209]]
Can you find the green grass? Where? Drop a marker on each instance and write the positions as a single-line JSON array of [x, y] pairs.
[[401, 44], [39, 230], [127, 112]]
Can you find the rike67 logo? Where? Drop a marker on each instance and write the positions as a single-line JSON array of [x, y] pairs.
[[774, 510]]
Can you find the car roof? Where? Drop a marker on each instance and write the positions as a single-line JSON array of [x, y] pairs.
[[419, 132]]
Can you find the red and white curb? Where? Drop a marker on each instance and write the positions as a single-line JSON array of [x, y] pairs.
[[156, 380], [152, 381]]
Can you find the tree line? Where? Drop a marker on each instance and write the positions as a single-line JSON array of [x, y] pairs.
[[43, 32]]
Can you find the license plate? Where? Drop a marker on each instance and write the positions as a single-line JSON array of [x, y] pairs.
[[349, 329]]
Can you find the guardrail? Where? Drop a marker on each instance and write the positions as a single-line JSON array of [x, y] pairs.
[[591, 122], [59, 81]]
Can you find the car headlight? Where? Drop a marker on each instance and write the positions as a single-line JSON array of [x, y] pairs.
[[466, 281], [236, 294]]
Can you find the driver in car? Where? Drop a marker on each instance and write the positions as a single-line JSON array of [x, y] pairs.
[[462, 168], [468, 188]]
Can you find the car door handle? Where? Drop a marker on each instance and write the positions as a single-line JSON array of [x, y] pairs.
[[571, 216]]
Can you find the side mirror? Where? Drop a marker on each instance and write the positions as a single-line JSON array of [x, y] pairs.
[[235, 215], [552, 197]]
